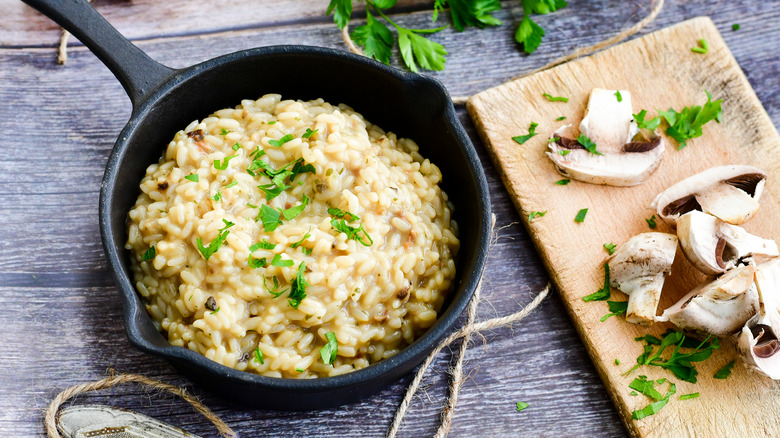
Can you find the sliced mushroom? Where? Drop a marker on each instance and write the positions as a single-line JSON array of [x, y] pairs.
[[730, 193], [720, 307], [713, 246], [758, 340], [638, 268], [609, 123]]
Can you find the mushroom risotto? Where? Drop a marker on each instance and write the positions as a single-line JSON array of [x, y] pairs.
[[292, 239]]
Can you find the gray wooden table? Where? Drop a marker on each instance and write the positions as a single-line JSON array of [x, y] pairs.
[[60, 314]]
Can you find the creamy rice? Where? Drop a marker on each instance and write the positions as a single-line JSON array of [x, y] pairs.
[[245, 302]]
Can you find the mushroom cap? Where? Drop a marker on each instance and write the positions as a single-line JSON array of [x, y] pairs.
[[758, 342], [720, 307], [638, 268], [610, 125], [713, 246], [707, 191]]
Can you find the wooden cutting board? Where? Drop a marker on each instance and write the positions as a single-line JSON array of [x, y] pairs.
[[660, 71]]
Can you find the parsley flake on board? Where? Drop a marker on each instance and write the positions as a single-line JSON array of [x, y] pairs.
[[194, 177], [651, 222], [702, 48], [651, 124], [581, 215], [330, 350], [552, 98], [615, 308], [520, 139], [216, 243], [521, 406], [535, 214], [680, 363], [149, 254], [560, 118], [224, 131], [259, 356], [648, 389], [588, 144], [353, 233], [603, 293], [689, 396], [224, 164], [735, 27], [724, 372], [618, 96], [298, 287], [563, 182], [617, 361], [610, 247], [281, 141]]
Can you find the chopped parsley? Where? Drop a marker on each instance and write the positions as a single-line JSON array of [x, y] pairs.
[[735, 27], [194, 177], [581, 215], [560, 118], [603, 293], [615, 308], [298, 288], [689, 396], [257, 263], [329, 351], [725, 372], [521, 406], [271, 122], [534, 214], [680, 363], [309, 133], [648, 388], [520, 139], [303, 239], [563, 182], [563, 152], [272, 190], [552, 98], [651, 124], [259, 356], [610, 247], [149, 254], [619, 96], [257, 153], [270, 217], [617, 361], [651, 222], [262, 245], [338, 213], [276, 292], [588, 144], [292, 212], [215, 311], [281, 141], [216, 243], [353, 233], [224, 131], [278, 262], [231, 184], [236, 147], [218, 196], [224, 164], [702, 48]]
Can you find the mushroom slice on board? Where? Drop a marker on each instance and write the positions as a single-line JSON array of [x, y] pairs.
[[720, 307], [609, 123], [730, 193], [758, 342], [713, 246], [639, 268]]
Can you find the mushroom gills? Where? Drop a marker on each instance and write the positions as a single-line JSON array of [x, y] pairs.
[[638, 268], [730, 193], [718, 308], [758, 342], [622, 159], [714, 246]]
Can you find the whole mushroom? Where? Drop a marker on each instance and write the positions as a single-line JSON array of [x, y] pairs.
[[609, 123], [713, 246], [730, 193], [638, 268], [758, 341]]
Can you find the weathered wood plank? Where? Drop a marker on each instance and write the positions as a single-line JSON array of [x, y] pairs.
[[67, 326]]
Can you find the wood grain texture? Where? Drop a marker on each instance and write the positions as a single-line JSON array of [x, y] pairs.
[[745, 136], [59, 309]]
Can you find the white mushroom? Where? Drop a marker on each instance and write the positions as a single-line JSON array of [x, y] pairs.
[[713, 246], [638, 268], [609, 124], [730, 193], [758, 340], [720, 307]]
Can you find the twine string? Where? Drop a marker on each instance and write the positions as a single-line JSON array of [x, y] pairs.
[[51, 418]]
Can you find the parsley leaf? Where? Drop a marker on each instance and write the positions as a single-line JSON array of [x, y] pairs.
[[588, 144], [281, 141], [350, 217], [646, 387], [534, 214], [276, 292], [689, 396], [687, 124], [353, 233], [277, 261], [270, 218], [581, 215], [619, 96], [292, 212], [603, 293], [656, 406], [552, 98], [725, 372], [651, 124], [470, 12], [520, 139], [224, 164], [563, 182], [298, 287], [303, 239], [563, 152], [341, 10], [236, 147], [194, 177], [330, 350], [560, 118], [429, 54], [615, 308], [259, 356], [610, 247], [257, 263], [216, 243], [521, 406], [651, 222], [309, 133], [377, 39]]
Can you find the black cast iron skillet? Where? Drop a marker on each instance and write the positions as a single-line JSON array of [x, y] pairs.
[[166, 100]]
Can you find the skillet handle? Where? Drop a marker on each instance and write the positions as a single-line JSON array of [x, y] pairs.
[[135, 70]]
